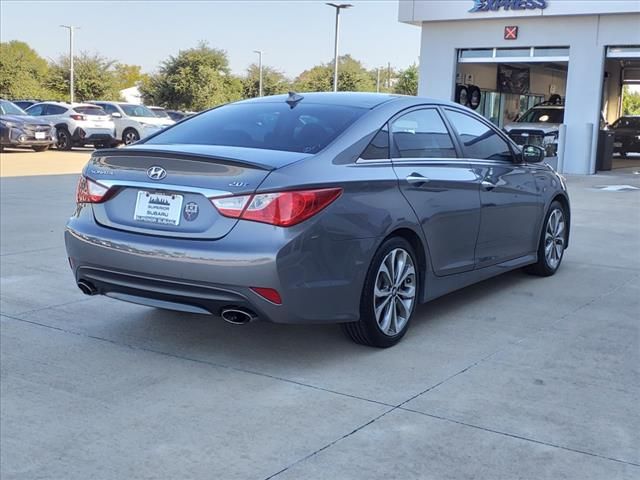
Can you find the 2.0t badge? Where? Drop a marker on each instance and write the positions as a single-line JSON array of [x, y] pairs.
[[191, 211]]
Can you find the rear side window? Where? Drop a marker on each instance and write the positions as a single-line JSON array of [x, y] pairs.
[[90, 110], [421, 134], [306, 128], [378, 149], [478, 139], [54, 110]]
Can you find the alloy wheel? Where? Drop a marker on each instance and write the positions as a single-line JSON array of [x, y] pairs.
[[130, 137], [554, 238], [394, 291]]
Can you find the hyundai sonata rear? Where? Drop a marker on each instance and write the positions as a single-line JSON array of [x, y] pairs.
[[322, 208]]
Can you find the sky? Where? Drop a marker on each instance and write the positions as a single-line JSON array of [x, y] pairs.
[[294, 35]]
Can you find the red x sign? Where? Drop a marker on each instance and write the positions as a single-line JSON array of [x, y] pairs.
[[510, 33]]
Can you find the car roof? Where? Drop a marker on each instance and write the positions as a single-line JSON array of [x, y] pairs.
[[65, 104], [349, 99]]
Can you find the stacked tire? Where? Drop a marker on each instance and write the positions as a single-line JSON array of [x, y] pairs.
[[469, 96]]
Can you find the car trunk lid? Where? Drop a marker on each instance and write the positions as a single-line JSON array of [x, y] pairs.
[[165, 190]]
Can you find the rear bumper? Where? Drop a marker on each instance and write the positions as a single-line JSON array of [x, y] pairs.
[[83, 136], [320, 280]]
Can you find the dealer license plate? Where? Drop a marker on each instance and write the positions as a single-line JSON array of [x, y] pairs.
[[40, 135], [160, 208]]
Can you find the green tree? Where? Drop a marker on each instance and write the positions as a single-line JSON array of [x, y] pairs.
[[352, 77], [194, 79], [94, 78], [630, 101], [22, 71], [127, 75], [407, 83], [273, 82]]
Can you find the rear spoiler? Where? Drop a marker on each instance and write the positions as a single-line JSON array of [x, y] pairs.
[[196, 157]]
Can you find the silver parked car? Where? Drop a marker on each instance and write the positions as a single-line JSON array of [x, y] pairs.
[[343, 208]]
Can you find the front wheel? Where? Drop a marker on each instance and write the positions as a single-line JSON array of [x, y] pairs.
[[552, 242], [130, 136], [64, 139], [389, 296]]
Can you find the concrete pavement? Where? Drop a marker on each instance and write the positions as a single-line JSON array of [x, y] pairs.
[[517, 377]]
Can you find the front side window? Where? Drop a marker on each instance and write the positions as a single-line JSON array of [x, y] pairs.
[[306, 128], [421, 134], [478, 139], [378, 149]]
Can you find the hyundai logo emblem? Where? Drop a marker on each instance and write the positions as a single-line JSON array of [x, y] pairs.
[[156, 173]]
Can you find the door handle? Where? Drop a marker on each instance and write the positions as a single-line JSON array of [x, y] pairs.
[[487, 185], [416, 179]]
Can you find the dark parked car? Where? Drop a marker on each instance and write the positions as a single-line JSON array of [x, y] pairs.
[[24, 104], [176, 115], [17, 129], [627, 135], [346, 208]]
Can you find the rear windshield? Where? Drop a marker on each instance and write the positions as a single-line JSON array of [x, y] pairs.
[[90, 110], [627, 122], [136, 110], [543, 115], [159, 112], [269, 126]]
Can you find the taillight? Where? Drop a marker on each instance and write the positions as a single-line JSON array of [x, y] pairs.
[[270, 294], [283, 209], [89, 191], [78, 117]]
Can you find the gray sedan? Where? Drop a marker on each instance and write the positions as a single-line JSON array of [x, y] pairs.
[[345, 208]]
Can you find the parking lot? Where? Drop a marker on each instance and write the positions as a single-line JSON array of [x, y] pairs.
[[516, 377]]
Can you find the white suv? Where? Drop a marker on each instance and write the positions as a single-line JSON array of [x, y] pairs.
[[133, 122], [77, 124]]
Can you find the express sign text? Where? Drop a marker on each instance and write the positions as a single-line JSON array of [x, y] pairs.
[[495, 5]]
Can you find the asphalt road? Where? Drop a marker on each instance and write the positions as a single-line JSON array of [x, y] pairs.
[[517, 377]]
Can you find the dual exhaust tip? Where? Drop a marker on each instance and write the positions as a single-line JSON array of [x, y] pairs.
[[87, 288], [233, 315], [237, 316]]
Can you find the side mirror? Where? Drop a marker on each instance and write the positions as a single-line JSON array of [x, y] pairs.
[[116, 115], [533, 154]]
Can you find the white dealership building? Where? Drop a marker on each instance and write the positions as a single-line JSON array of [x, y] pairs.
[[580, 53]]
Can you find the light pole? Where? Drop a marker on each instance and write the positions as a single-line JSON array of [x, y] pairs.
[[259, 52], [71, 28], [338, 7]]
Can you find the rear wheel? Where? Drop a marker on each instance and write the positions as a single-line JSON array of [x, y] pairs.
[[64, 139], [130, 136], [41, 148], [389, 296], [552, 242]]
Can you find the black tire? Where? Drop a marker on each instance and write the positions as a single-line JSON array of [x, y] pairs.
[[64, 139], [545, 267], [475, 97], [129, 136], [41, 148], [623, 154], [367, 331], [462, 95]]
